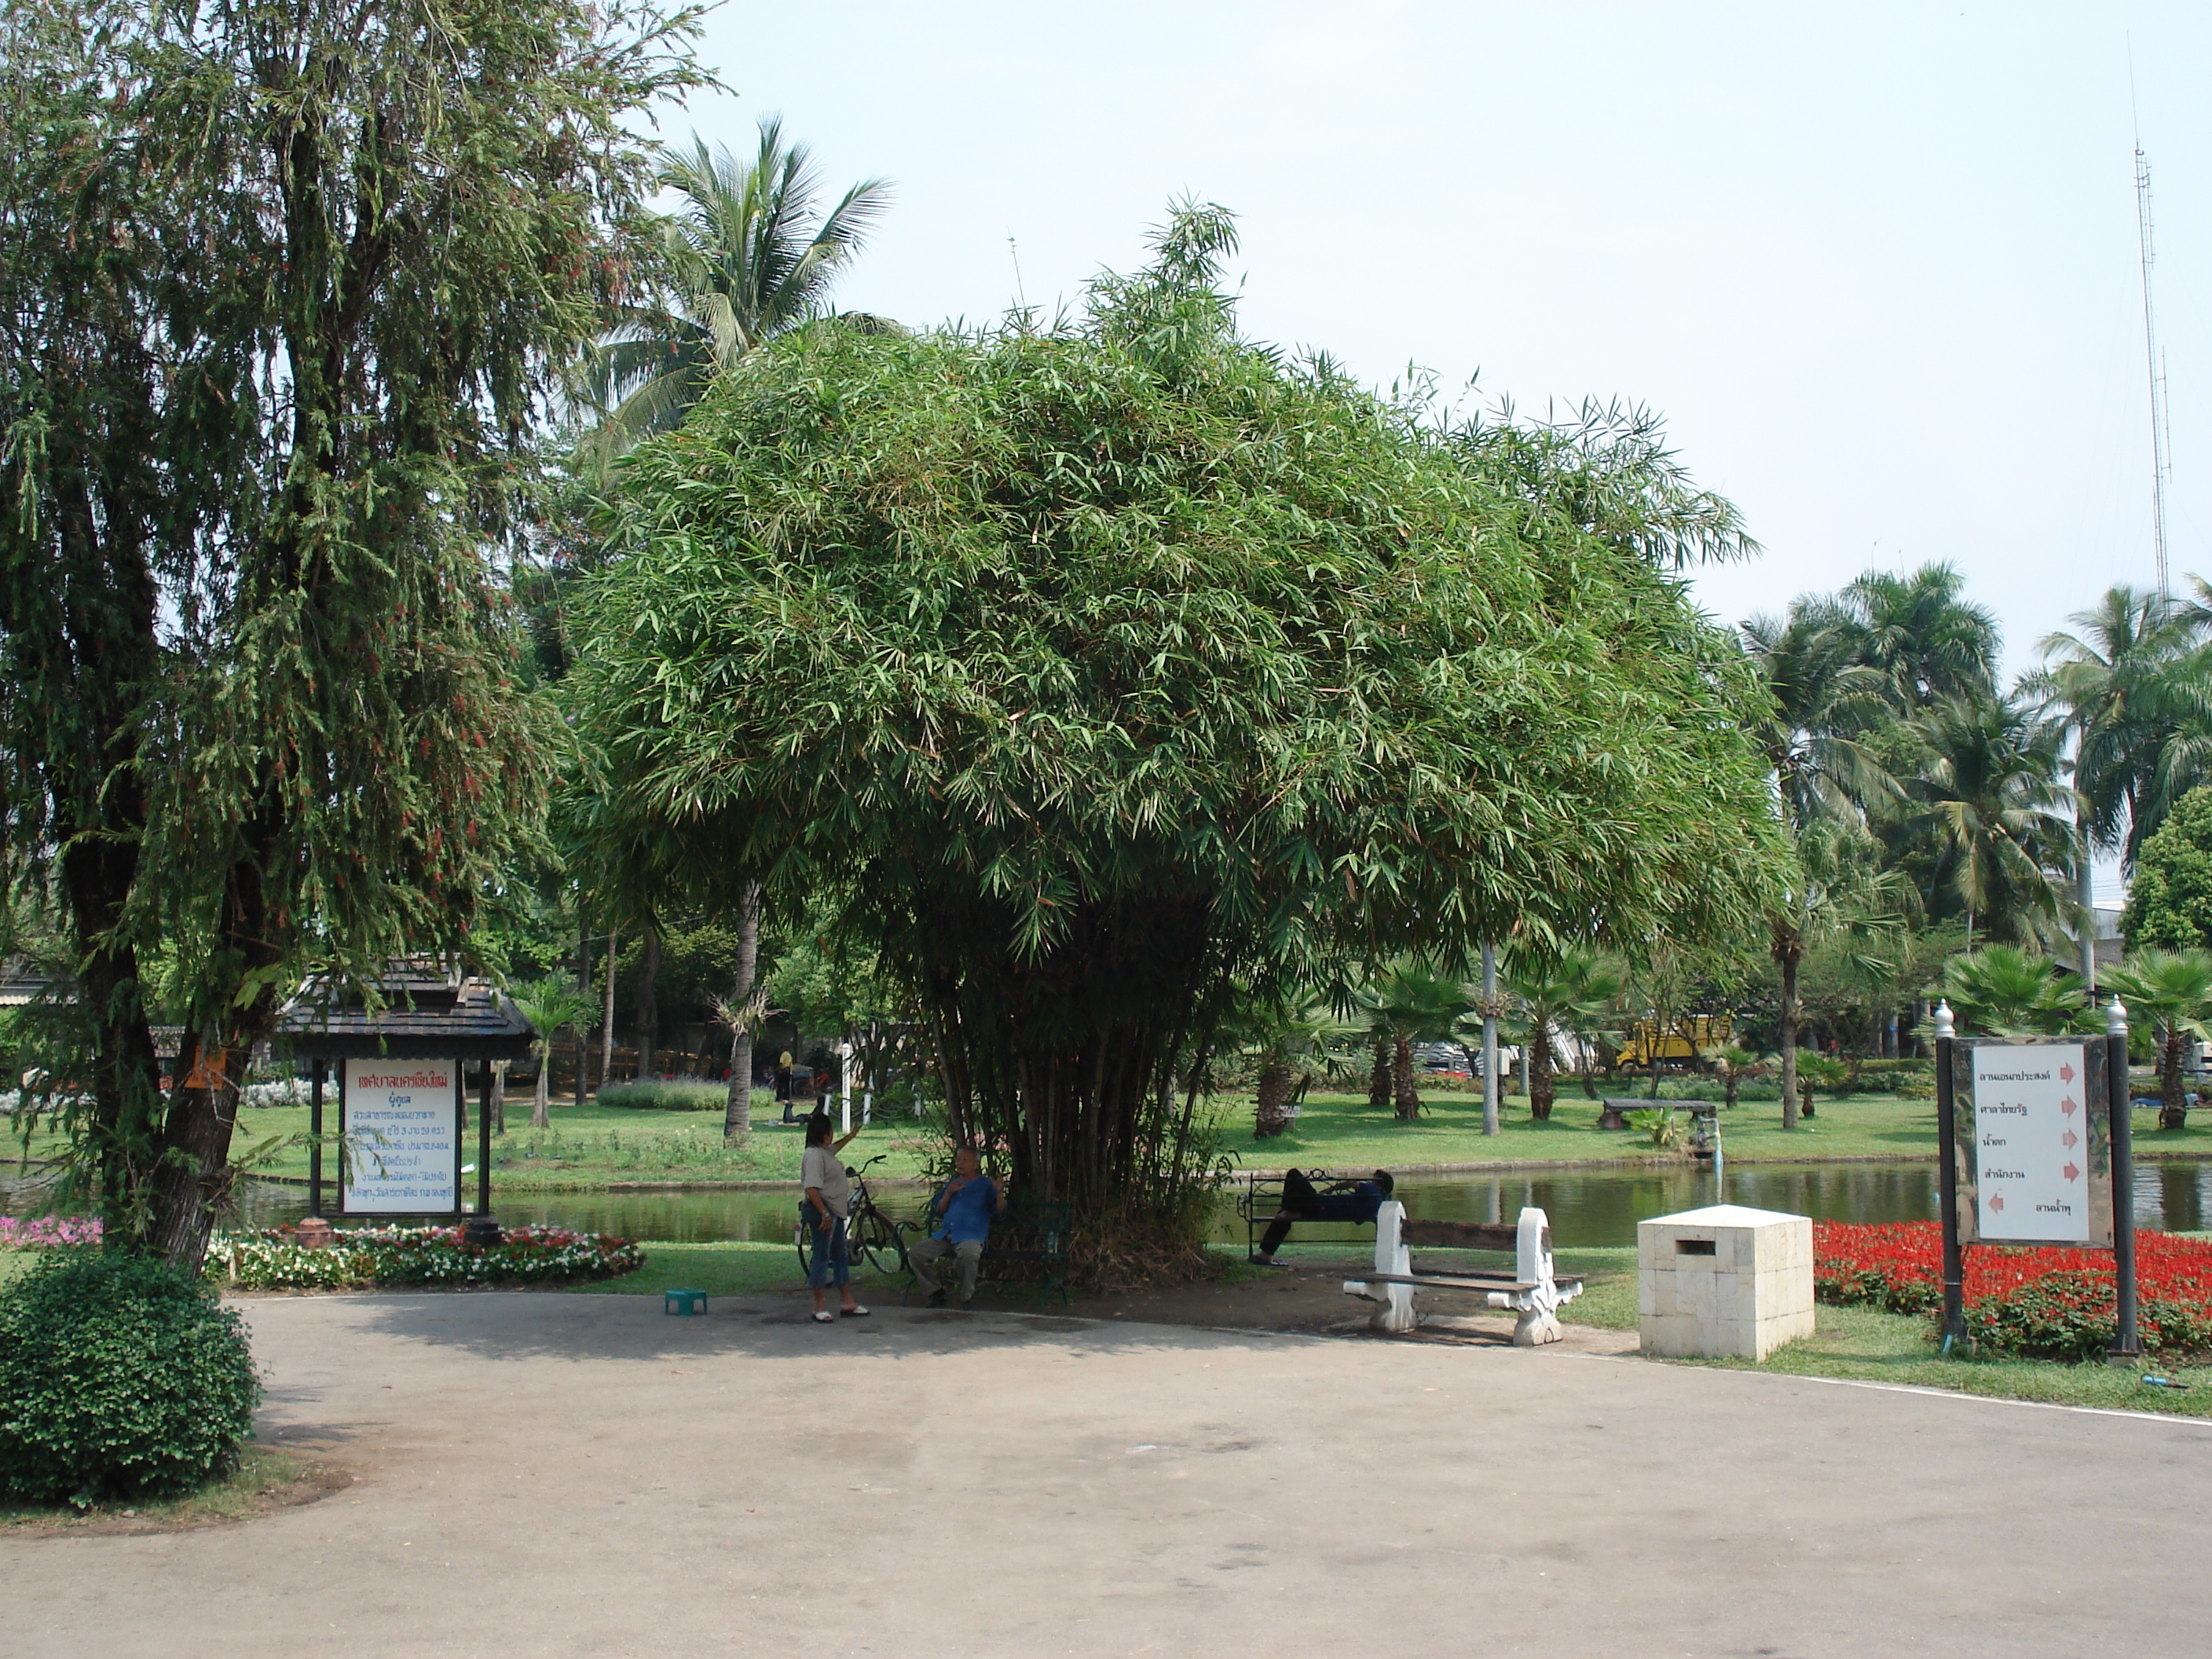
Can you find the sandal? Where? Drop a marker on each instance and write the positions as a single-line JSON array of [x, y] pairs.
[[854, 1312], [823, 1316]]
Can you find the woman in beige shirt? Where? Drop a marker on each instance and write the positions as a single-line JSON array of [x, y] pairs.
[[822, 1172]]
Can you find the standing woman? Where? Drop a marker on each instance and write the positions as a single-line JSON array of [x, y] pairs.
[[822, 1174]]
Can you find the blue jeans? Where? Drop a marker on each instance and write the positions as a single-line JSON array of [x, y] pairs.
[[831, 1263]]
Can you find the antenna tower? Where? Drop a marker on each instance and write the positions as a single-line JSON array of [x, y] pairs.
[[2154, 364]]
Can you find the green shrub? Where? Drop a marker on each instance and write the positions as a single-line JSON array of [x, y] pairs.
[[118, 1378], [676, 1095]]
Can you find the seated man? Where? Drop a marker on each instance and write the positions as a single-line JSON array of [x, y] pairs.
[[963, 1211], [1344, 1200]]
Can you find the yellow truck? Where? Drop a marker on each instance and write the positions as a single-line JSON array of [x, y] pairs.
[[1685, 1041]]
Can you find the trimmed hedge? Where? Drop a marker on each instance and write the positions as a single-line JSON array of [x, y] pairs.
[[118, 1378], [275, 1260]]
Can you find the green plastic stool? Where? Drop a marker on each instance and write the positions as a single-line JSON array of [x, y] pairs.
[[684, 1301]]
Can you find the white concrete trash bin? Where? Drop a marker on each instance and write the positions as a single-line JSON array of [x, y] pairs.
[[1723, 1283]]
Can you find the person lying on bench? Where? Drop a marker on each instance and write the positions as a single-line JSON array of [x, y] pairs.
[[963, 1211], [1344, 1200]]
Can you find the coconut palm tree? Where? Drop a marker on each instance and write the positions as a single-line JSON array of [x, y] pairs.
[[1839, 892], [1993, 823], [549, 1004], [1921, 636], [746, 259], [2110, 682], [2174, 987], [1569, 993], [1821, 703]]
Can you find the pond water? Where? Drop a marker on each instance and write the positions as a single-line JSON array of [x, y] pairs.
[[1586, 1207]]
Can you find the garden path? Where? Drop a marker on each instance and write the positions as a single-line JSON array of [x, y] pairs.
[[581, 1476]]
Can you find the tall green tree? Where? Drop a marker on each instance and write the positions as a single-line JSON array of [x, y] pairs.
[[341, 259], [2170, 900], [1107, 666]]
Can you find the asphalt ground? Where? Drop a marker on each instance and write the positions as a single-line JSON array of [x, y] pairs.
[[545, 1474]]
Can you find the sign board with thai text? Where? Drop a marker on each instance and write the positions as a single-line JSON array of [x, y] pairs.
[[2034, 1142], [401, 1124]]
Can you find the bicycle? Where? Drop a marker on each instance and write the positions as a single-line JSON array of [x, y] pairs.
[[872, 1238]]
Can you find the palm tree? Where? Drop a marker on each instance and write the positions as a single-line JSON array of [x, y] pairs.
[[1988, 810], [549, 1004], [2110, 683], [1571, 992], [1916, 631], [2005, 991], [2174, 987], [1839, 892], [746, 260], [1406, 1004], [1820, 701]]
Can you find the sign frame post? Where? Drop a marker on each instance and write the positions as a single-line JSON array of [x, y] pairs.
[[1955, 1309], [348, 1179], [2127, 1338]]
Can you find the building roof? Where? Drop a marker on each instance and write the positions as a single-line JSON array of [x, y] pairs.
[[428, 1014]]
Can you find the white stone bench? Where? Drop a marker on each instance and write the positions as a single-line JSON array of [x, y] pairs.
[[1533, 1289]]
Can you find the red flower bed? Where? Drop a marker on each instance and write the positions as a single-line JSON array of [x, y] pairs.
[[2050, 1303]]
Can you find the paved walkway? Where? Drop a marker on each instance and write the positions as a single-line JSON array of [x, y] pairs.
[[581, 1476]]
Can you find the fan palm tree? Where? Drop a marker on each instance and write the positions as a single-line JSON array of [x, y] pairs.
[[1995, 822], [549, 1004], [746, 260], [2174, 987], [1406, 1004], [1571, 993], [2005, 991]]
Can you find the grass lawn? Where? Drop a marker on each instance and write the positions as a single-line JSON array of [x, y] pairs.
[[593, 1146], [265, 1480]]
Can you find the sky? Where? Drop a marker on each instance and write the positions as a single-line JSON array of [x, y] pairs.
[[1875, 266]]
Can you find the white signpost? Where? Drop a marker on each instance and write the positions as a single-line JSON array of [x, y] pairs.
[[2037, 1159], [401, 1122]]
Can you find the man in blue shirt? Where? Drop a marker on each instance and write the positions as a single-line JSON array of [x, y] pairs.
[[963, 1210]]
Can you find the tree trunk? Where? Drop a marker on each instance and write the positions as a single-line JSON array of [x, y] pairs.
[[1658, 1043], [1378, 1074], [499, 1095], [1268, 1117], [648, 1006], [738, 1109], [1540, 1073], [607, 1008], [583, 988], [541, 1107], [2172, 1098], [1786, 952], [1404, 1095]]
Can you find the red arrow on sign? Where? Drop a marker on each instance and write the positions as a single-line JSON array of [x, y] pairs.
[[2071, 1173], [2069, 1139], [2065, 1073], [1996, 1201], [2069, 1106]]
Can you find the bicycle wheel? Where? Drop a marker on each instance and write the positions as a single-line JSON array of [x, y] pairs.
[[876, 1241]]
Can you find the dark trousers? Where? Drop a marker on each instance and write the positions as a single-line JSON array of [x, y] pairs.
[[1301, 1202]]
